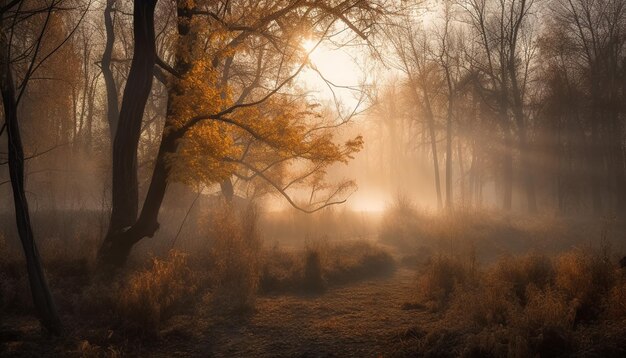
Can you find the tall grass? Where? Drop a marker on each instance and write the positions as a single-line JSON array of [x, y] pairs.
[[235, 257], [149, 297], [523, 305], [322, 264]]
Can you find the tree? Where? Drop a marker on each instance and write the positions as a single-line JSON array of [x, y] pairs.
[[14, 13], [595, 31], [503, 33], [202, 106]]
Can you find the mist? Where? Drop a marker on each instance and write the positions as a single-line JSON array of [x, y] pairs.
[[318, 178]]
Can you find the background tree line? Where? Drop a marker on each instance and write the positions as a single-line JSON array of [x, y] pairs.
[[517, 104]]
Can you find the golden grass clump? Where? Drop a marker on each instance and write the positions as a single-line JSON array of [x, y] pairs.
[[235, 256], [149, 297], [440, 277], [585, 278], [546, 308], [617, 300], [323, 264], [524, 305], [516, 273]]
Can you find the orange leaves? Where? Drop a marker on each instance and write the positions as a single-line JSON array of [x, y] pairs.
[[240, 115], [200, 155], [196, 93]]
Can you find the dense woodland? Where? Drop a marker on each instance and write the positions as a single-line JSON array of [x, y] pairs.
[[143, 143]]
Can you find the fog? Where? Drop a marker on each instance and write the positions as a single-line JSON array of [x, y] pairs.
[[313, 178]]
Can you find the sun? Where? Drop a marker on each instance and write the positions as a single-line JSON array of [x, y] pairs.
[[308, 45], [330, 66]]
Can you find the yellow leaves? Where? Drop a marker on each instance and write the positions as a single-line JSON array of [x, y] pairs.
[[353, 146], [283, 136], [198, 92], [201, 153]]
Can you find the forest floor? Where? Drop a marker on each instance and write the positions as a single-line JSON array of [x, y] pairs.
[[473, 287], [362, 319]]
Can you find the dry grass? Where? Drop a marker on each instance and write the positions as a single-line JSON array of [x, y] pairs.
[[149, 297], [441, 276], [323, 264], [485, 234], [234, 258], [519, 306], [523, 304]]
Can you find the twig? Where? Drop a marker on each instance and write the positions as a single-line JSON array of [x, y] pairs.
[[180, 228]]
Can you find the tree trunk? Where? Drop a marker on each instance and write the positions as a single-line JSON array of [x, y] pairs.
[[595, 159], [228, 191], [42, 298], [507, 167], [524, 152], [527, 170], [449, 198], [472, 180], [433, 145], [462, 172], [617, 162], [122, 242], [107, 73], [125, 186]]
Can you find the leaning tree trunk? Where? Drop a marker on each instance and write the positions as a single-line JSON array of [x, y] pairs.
[[117, 245], [148, 224], [42, 298]]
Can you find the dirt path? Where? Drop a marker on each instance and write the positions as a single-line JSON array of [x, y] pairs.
[[358, 320]]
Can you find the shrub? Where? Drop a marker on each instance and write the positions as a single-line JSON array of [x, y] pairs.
[[617, 300], [585, 279], [321, 264], [149, 297], [440, 277], [545, 309], [351, 261], [400, 224], [281, 271], [521, 271], [313, 281], [235, 258], [483, 305], [523, 306]]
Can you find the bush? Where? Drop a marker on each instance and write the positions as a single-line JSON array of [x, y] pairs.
[[517, 273], [281, 271], [545, 309], [617, 300], [313, 281], [322, 264], [235, 258], [585, 279], [352, 261], [482, 305], [149, 297], [440, 277], [400, 224], [521, 306]]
